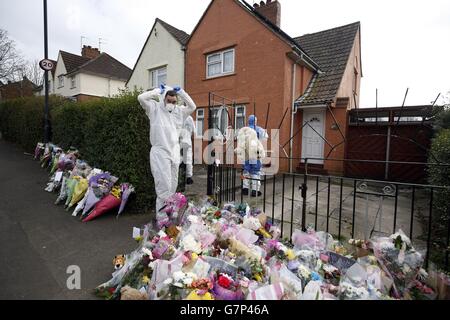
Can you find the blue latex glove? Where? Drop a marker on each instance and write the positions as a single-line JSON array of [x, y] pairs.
[[177, 89], [163, 88]]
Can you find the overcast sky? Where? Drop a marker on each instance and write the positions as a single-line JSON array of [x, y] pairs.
[[405, 43]]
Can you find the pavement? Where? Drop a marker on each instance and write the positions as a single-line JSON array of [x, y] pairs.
[[39, 241]]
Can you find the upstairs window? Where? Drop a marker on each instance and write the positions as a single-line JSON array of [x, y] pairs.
[[158, 77], [60, 81], [220, 63], [73, 83]]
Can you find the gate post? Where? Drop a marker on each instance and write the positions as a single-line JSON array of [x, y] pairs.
[[304, 188], [210, 180]]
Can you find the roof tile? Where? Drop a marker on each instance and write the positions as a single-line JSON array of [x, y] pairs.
[[331, 50]]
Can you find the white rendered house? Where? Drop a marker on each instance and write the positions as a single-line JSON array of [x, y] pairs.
[[161, 60]]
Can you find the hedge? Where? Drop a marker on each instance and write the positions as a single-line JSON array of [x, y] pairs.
[[22, 120], [440, 175], [111, 134]]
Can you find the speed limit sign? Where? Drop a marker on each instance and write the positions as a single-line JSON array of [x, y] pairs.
[[46, 64]]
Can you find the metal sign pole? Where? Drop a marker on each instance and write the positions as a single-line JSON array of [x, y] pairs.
[[46, 111]]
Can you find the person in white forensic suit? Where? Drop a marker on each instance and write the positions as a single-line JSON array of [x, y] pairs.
[[166, 118], [186, 145]]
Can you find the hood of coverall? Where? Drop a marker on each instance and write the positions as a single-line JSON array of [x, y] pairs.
[[163, 98], [252, 121]]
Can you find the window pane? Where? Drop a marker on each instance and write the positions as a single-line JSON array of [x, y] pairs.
[[162, 79], [153, 82], [199, 127], [200, 113], [214, 69], [228, 61], [214, 58], [240, 122], [162, 71]]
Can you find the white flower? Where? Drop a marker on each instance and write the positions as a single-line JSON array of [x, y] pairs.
[[188, 281], [178, 284], [193, 219], [178, 275], [168, 281], [191, 275], [306, 254], [304, 272], [329, 268], [423, 275], [162, 234], [147, 252], [252, 223], [190, 244], [404, 238]]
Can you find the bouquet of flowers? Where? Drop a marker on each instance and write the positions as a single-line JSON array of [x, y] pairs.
[[169, 213], [177, 287], [399, 259], [201, 290], [226, 288], [106, 204]]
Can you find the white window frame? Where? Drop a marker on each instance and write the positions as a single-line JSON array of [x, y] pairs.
[[60, 81], [73, 82], [221, 62], [157, 72], [198, 118], [237, 114], [214, 113]]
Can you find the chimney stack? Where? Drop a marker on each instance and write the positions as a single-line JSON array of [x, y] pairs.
[[89, 52], [271, 9]]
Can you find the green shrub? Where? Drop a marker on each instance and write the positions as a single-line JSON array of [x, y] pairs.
[[440, 176], [111, 134], [22, 120]]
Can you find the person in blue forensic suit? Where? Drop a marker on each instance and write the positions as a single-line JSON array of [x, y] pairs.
[[253, 168]]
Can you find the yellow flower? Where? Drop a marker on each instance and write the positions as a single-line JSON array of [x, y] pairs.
[[195, 296], [258, 277], [194, 256], [290, 254], [116, 192], [145, 279]]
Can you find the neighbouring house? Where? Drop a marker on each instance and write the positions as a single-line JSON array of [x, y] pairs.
[[40, 91], [92, 75], [18, 89], [161, 60], [238, 51]]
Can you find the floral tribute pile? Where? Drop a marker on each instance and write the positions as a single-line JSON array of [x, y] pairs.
[[90, 192], [235, 253]]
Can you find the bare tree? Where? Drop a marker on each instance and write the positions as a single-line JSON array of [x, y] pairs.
[[11, 61], [33, 72]]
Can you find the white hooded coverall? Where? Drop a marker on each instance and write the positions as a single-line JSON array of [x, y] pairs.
[[186, 144], [165, 128]]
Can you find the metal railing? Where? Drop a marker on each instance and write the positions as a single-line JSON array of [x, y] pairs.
[[344, 207]]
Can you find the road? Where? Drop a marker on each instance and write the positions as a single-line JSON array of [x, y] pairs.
[[39, 240]]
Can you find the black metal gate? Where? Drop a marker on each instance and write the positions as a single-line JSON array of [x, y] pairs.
[[345, 207]]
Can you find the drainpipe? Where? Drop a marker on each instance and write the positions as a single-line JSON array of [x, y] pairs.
[[293, 112]]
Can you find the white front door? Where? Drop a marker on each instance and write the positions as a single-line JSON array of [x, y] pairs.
[[312, 141]]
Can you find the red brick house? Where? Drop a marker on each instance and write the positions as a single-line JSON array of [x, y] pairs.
[[19, 89], [238, 51]]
